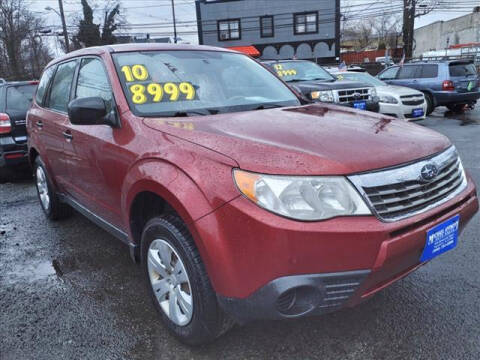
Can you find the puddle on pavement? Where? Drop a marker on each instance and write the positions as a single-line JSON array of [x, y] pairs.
[[31, 273]]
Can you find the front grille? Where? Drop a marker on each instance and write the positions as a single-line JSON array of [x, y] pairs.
[[351, 95], [399, 193], [412, 100]]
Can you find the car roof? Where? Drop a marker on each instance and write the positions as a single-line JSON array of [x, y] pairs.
[[119, 48], [285, 60]]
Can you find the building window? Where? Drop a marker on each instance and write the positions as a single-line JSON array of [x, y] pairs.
[[305, 23], [229, 30], [266, 26]]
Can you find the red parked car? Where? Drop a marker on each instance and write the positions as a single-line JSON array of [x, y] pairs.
[[240, 202]]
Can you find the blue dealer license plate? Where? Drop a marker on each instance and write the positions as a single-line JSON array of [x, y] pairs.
[[441, 238], [417, 113], [361, 105]]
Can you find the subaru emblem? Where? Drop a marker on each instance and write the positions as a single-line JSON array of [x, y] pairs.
[[429, 172]]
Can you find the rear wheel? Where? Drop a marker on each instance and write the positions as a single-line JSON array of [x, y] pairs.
[[178, 282], [53, 208], [456, 108], [430, 104]]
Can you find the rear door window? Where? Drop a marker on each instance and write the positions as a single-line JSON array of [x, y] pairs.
[[462, 69], [42, 86], [410, 72], [19, 98], [429, 71], [61, 86]]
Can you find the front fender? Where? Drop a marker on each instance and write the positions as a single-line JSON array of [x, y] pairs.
[[192, 197]]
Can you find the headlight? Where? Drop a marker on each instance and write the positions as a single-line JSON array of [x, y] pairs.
[[324, 96], [373, 92], [387, 99], [302, 198]]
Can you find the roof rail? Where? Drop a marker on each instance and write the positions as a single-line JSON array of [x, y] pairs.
[[442, 58]]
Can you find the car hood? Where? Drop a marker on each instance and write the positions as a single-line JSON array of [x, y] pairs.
[[396, 90], [309, 140], [324, 85]]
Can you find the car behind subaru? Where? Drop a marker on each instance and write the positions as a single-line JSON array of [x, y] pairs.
[[453, 84], [318, 85], [15, 100], [240, 203]]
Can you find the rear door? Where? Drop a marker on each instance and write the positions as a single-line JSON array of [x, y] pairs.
[[464, 76], [53, 120], [18, 99]]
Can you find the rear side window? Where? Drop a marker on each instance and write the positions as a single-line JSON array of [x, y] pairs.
[[429, 71], [457, 69], [42, 86], [19, 98], [410, 72], [61, 86]]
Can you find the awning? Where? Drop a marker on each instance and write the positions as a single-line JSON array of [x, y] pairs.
[[249, 50]]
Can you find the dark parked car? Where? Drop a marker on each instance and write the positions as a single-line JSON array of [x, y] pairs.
[[15, 100], [453, 84], [317, 84], [240, 203]]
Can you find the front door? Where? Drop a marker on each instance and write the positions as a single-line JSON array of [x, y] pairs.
[[95, 168]]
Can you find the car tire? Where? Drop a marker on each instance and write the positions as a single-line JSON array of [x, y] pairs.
[[204, 321], [430, 104], [456, 108], [50, 203]]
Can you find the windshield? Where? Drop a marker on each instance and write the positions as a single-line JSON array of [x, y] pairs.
[[19, 97], [300, 71], [361, 77], [184, 83]]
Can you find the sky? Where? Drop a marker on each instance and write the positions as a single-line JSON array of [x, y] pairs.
[[158, 15]]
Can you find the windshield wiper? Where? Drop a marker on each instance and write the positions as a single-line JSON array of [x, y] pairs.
[[268, 106], [187, 113]]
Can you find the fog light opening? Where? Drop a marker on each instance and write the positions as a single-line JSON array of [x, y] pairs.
[[297, 301]]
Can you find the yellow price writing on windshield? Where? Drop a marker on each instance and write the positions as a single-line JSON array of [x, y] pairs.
[[283, 73], [174, 91], [135, 72]]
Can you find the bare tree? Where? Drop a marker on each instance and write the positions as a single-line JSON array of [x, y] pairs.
[[20, 44], [386, 28]]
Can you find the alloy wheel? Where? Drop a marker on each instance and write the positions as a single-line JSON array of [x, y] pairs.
[[170, 282], [42, 187]]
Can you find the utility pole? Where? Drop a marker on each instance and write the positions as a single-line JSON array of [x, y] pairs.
[[174, 22], [409, 8], [64, 25]]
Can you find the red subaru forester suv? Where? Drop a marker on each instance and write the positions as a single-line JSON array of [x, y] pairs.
[[240, 202]]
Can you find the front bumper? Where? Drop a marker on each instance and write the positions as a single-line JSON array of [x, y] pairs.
[[259, 262], [404, 112]]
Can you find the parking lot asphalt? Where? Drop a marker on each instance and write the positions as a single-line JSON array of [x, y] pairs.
[[68, 290]]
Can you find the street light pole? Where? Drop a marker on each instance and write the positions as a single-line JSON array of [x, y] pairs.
[[64, 25], [174, 23]]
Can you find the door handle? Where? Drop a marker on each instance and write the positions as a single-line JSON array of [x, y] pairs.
[[39, 124], [68, 135]]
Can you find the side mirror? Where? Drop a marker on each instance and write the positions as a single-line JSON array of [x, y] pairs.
[[87, 111]]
